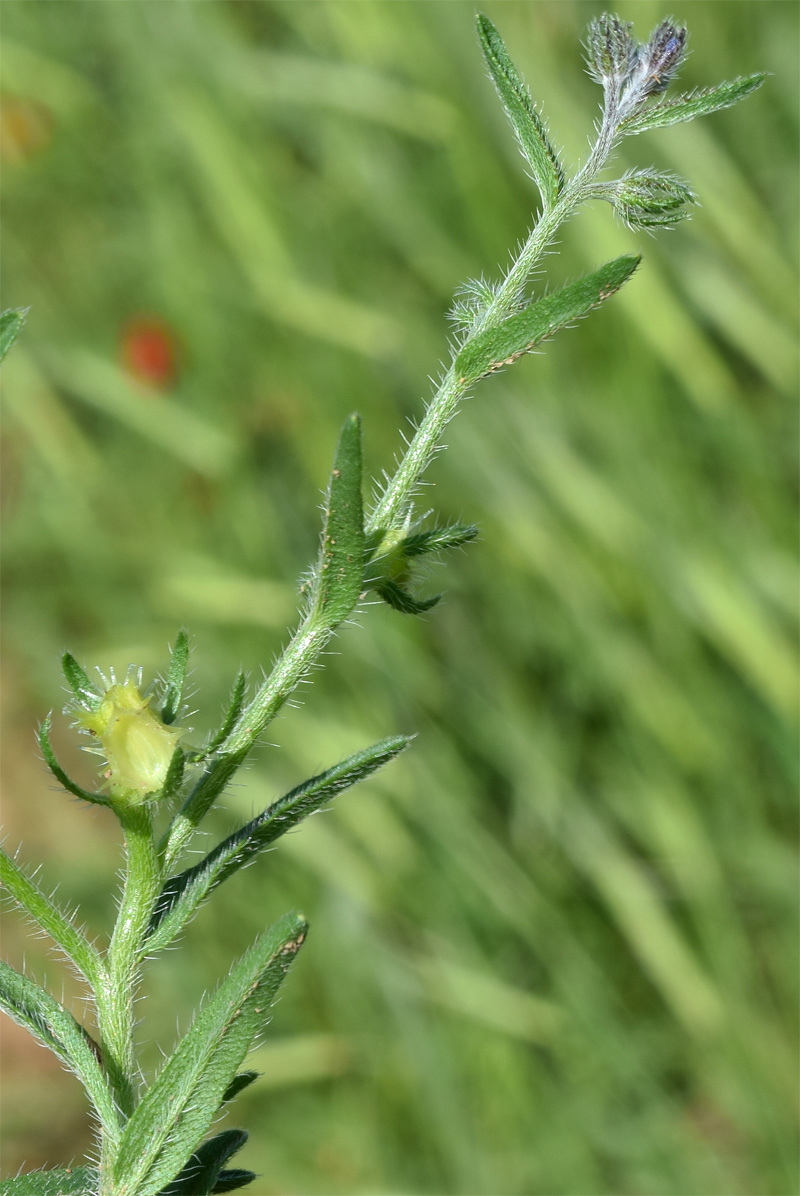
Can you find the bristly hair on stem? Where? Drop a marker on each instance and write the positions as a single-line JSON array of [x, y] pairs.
[[152, 1141]]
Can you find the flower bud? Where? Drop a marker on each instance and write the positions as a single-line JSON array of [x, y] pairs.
[[136, 744], [645, 200], [611, 49]]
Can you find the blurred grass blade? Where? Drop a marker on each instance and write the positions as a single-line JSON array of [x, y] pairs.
[[340, 570], [528, 125], [199, 1176], [61, 929], [177, 1110], [518, 334], [176, 679], [182, 894], [11, 325], [52, 1025], [72, 1181], [695, 103]]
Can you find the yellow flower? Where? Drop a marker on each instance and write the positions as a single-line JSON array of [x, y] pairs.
[[136, 744]]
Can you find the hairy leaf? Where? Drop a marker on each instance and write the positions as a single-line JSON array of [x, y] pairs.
[[199, 1176], [400, 599], [79, 683], [692, 104], [235, 706], [340, 570], [65, 1181], [177, 1110], [47, 1020], [182, 894], [176, 679], [58, 772], [527, 124], [11, 325], [518, 334]]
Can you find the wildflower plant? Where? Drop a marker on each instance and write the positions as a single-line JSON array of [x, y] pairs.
[[152, 1136]]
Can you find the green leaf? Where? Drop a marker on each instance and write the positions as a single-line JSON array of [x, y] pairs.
[[66, 1181], [400, 599], [235, 707], [436, 539], [229, 1181], [527, 124], [182, 894], [60, 928], [79, 683], [340, 570], [52, 1025], [238, 1084], [176, 679], [518, 334], [176, 1111], [205, 791], [58, 772], [692, 104], [199, 1176], [11, 325]]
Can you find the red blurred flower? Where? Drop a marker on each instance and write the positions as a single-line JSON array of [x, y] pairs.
[[149, 351]]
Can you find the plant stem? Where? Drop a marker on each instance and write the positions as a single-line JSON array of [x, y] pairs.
[[115, 996]]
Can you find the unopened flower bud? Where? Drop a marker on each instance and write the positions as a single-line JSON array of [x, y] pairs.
[[657, 62], [644, 200], [611, 49], [135, 743]]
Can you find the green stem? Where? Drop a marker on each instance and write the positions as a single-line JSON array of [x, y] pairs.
[[115, 995]]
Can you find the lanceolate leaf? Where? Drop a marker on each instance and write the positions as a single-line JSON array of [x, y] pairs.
[[518, 334], [66, 1181], [176, 679], [400, 599], [436, 539], [528, 126], [229, 1181], [11, 324], [176, 1111], [182, 894], [50, 1022], [58, 772], [61, 929], [199, 1176], [340, 571], [235, 706], [695, 103]]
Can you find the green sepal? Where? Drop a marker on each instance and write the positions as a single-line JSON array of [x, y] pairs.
[[527, 124], [182, 894], [64, 1181], [174, 778], [52, 763], [400, 599], [340, 570], [58, 925], [85, 693], [12, 322], [692, 104], [235, 707], [176, 679], [50, 1023], [200, 1174], [176, 1111], [238, 1084], [502, 345]]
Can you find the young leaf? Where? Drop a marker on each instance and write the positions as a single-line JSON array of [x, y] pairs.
[[79, 683], [182, 894], [238, 1084], [66, 1181], [11, 325], [176, 1111], [518, 334], [58, 772], [400, 599], [61, 929], [229, 1181], [205, 791], [47, 1020], [692, 104], [199, 1176], [340, 570], [436, 539], [528, 126], [176, 679]]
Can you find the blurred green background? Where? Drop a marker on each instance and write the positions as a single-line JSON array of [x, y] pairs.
[[553, 948]]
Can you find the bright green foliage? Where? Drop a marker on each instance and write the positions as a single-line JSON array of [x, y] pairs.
[[567, 906], [74, 1181], [502, 345], [696, 103], [546, 169]]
